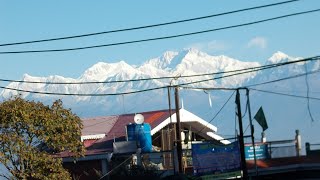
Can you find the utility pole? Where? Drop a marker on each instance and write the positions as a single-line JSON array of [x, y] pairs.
[[170, 127], [178, 129], [252, 132], [241, 142]]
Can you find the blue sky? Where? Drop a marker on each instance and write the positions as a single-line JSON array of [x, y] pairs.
[[36, 19]]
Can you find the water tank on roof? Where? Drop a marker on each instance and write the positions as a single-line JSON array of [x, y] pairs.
[[141, 133]]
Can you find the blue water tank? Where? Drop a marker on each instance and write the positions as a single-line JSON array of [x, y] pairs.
[[141, 133]]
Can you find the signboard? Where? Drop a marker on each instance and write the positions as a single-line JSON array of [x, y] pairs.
[[208, 158], [261, 151]]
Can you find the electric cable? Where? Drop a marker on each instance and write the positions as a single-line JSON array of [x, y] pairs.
[[314, 58], [282, 79], [308, 88], [160, 38], [116, 167], [156, 88], [222, 107], [194, 82], [246, 129], [117, 94], [101, 122], [284, 94], [251, 85], [245, 111], [148, 26]]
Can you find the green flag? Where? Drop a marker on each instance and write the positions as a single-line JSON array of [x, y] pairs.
[[261, 119]]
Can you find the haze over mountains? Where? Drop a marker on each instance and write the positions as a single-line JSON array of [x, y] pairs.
[[284, 114]]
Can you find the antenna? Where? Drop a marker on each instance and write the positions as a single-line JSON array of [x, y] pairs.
[[138, 119]]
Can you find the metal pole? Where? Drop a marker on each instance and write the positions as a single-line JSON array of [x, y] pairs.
[[241, 142], [178, 130], [252, 132]]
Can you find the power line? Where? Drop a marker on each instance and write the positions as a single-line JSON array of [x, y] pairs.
[[217, 112], [129, 80], [267, 82], [148, 26], [205, 89], [284, 94], [78, 94], [116, 167], [124, 93], [308, 99], [266, 67], [157, 88], [167, 77], [282, 79], [160, 38], [246, 128]]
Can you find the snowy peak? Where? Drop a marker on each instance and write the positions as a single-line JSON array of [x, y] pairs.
[[163, 61], [278, 57], [102, 70], [170, 59], [199, 62], [168, 56], [192, 61], [27, 77], [193, 52]]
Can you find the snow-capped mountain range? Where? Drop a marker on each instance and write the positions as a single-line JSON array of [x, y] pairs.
[[176, 64], [188, 62]]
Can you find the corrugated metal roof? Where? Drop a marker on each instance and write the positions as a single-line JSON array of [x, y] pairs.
[[285, 161], [98, 125], [287, 166], [89, 142]]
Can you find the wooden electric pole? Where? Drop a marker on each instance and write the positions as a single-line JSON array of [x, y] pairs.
[[241, 142], [178, 129], [252, 132]]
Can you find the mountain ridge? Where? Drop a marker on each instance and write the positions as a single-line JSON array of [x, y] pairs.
[[171, 63]]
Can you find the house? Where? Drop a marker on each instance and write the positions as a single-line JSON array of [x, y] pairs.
[[286, 161], [101, 134], [295, 167]]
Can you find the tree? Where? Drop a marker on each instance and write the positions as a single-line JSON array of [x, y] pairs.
[[31, 132]]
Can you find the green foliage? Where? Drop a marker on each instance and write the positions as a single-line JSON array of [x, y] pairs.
[[31, 132]]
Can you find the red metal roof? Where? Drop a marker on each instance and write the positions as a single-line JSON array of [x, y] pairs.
[[89, 142], [98, 125], [303, 167], [285, 161]]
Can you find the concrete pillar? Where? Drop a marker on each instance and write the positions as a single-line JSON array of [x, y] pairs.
[[298, 143]]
